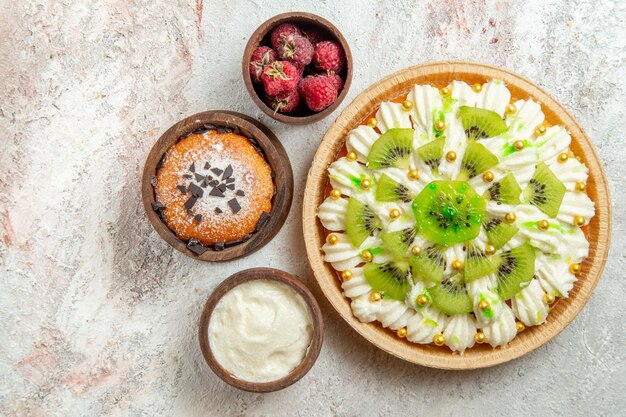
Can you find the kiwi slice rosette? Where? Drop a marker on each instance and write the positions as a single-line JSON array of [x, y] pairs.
[[444, 222]]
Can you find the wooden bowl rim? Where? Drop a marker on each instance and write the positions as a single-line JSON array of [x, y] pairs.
[[563, 312], [274, 154], [262, 31], [316, 339]]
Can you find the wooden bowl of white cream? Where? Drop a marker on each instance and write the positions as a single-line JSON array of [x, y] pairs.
[[261, 330]]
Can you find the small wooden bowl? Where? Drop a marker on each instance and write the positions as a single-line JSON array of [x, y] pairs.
[[302, 115], [274, 154], [316, 340], [598, 230]]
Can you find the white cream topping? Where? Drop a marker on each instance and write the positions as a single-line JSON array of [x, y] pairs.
[[390, 311], [503, 330], [483, 289], [260, 330], [332, 213], [391, 115], [554, 275], [528, 305], [357, 285], [459, 332], [424, 325], [364, 309], [360, 141]]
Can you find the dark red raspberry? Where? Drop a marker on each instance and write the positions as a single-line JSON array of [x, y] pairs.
[[297, 49], [261, 57], [279, 76], [337, 82], [282, 31], [318, 91], [329, 56], [316, 35], [284, 102]]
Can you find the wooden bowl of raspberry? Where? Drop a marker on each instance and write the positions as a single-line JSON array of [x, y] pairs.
[[297, 67]]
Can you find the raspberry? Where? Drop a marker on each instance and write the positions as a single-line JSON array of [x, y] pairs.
[[297, 49], [318, 91], [329, 56], [282, 31], [261, 57], [279, 76], [316, 35], [337, 82], [284, 102]]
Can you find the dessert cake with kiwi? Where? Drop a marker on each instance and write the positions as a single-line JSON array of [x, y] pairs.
[[457, 215]]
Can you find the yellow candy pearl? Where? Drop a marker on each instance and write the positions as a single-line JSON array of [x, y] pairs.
[[562, 158], [510, 217], [401, 332], [511, 109], [490, 249], [367, 256], [518, 145], [346, 275], [543, 225], [422, 300], [372, 122], [335, 194], [413, 174], [540, 130], [375, 296], [488, 176], [480, 338], [575, 268], [477, 88], [366, 184], [394, 213], [519, 326], [483, 305], [549, 298], [351, 156], [440, 125], [580, 186], [445, 91], [450, 156], [439, 339], [332, 239], [416, 250], [457, 264], [579, 221], [407, 105]]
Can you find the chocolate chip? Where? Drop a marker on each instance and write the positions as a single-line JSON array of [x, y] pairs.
[[204, 183], [182, 189], [234, 205], [195, 190], [187, 176], [240, 193], [216, 192], [219, 246], [190, 202], [153, 181], [231, 186], [262, 220], [196, 247], [213, 183], [218, 210], [198, 218], [190, 212], [229, 180], [221, 187], [221, 130], [228, 172], [192, 168], [201, 131], [217, 171], [156, 206], [207, 165], [161, 161], [199, 177]]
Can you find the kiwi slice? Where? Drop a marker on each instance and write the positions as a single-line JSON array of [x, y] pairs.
[[545, 190], [448, 212], [498, 231], [398, 242], [387, 189], [481, 123], [477, 264], [450, 296], [476, 160], [505, 191], [390, 279], [514, 268], [391, 149], [432, 153], [361, 221], [430, 264]]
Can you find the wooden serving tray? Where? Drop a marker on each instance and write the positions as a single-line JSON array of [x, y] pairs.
[[440, 74]]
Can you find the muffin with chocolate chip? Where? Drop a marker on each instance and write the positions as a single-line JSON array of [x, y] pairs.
[[213, 189]]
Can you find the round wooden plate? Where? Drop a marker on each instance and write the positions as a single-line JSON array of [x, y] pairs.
[[311, 354], [598, 232], [274, 154]]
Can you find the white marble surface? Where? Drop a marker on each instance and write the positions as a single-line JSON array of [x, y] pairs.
[[100, 315]]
